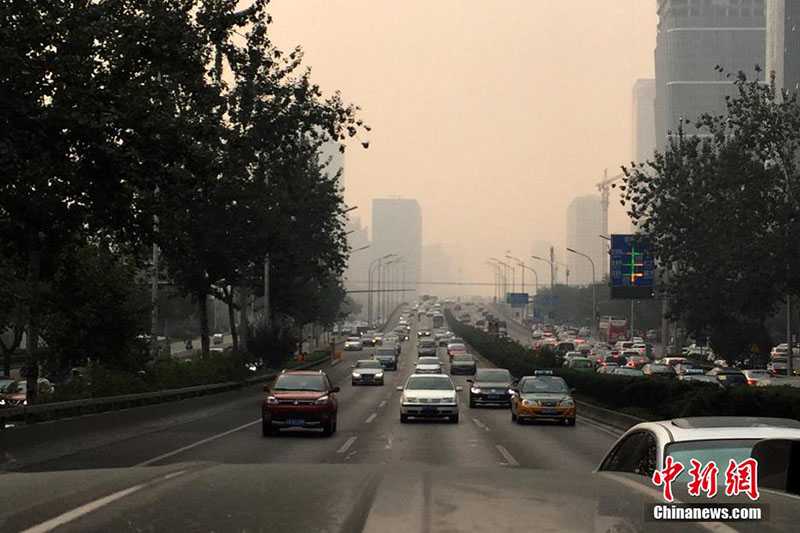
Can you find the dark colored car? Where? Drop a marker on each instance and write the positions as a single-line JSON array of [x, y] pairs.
[[490, 386], [424, 333], [387, 358], [463, 364], [729, 377], [615, 359], [656, 370], [303, 399]]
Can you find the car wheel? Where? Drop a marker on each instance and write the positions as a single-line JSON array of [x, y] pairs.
[[454, 419], [513, 415], [353, 383], [403, 419], [327, 429], [571, 422], [267, 429], [471, 403], [335, 425], [520, 420]]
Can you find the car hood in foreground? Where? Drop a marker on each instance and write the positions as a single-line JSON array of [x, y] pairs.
[[346, 497]]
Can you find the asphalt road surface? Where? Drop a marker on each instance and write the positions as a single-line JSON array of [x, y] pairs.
[[226, 428]]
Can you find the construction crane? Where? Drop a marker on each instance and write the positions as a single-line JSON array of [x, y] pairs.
[[604, 188]]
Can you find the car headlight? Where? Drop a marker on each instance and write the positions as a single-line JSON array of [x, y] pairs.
[[2, 401], [530, 402], [511, 391], [567, 402], [24, 402], [410, 399], [322, 400], [272, 400], [475, 390], [378, 374], [356, 375], [452, 399]]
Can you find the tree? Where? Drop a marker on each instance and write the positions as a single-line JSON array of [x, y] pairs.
[[721, 213]]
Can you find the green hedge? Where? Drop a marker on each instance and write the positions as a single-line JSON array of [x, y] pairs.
[[645, 397]]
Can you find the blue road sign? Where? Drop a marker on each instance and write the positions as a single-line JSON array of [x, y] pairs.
[[517, 299], [633, 271]]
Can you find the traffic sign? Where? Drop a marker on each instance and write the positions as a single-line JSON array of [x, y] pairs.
[[632, 269], [517, 299]]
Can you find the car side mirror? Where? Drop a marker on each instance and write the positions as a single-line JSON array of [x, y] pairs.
[[335, 389], [459, 389], [399, 388]]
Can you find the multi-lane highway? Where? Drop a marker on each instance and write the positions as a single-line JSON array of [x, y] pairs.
[[226, 428]]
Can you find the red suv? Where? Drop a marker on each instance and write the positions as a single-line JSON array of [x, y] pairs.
[[302, 399]]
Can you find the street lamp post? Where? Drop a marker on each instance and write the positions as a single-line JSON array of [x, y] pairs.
[[505, 278], [378, 260], [551, 268], [594, 296], [496, 278]]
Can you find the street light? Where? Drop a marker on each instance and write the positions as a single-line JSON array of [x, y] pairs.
[[594, 296], [369, 284], [496, 278], [551, 267], [383, 281], [505, 278]]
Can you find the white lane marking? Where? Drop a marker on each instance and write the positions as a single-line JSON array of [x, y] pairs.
[[507, 456], [346, 445], [87, 508], [198, 443], [596, 425], [478, 423], [371, 418], [382, 403]]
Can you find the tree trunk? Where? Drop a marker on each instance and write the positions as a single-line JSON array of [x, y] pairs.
[[202, 301], [32, 341], [243, 318], [227, 293]]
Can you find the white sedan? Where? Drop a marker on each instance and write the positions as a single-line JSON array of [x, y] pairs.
[[428, 365], [429, 396], [353, 344]]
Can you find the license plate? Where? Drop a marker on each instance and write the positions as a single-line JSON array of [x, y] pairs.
[[493, 396], [428, 409], [549, 411], [296, 422]]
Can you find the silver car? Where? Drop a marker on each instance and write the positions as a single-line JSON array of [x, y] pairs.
[[367, 372], [428, 365], [427, 346], [429, 396]]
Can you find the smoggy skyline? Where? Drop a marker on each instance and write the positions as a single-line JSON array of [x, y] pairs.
[[493, 115]]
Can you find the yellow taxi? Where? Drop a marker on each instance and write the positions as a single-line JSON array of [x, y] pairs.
[[542, 397]]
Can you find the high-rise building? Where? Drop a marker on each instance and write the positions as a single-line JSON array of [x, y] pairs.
[[783, 42], [397, 229], [643, 136], [584, 223], [436, 266], [695, 36]]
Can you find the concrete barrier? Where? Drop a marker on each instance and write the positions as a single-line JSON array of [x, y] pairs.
[[607, 417]]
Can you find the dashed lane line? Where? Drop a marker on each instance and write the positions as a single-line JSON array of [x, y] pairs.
[[346, 445], [371, 418], [507, 455]]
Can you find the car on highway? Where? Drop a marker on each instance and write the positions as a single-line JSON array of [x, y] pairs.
[[688, 368], [637, 361], [392, 341], [643, 449], [672, 361], [490, 386], [367, 372], [429, 396], [424, 333], [426, 347], [353, 344], [778, 366], [581, 363], [570, 355], [402, 333], [387, 357], [463, 363], [729, 377], [428, 365], [607, 368], [455, 348], [542, 397], [755, 375], [299, 399], [367, 339], [626, 371], [535, 334], [657, 370], [701, 378]]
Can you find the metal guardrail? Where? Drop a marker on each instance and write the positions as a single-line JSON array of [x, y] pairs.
[[57, 410], [614, 419]]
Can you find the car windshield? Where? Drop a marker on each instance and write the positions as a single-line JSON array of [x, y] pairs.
[[544, 385], [429, 383], [456, 347], [385, 351], [463, 358], [353, 339], [580, 363], [5, 384], [299, 382], [492, 375], [368, 364], [427, 344], [428, 361]]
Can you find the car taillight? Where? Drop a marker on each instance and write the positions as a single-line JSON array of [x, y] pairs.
[[751, 381]]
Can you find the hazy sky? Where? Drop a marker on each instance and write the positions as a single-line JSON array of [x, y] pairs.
[[493, 114]]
